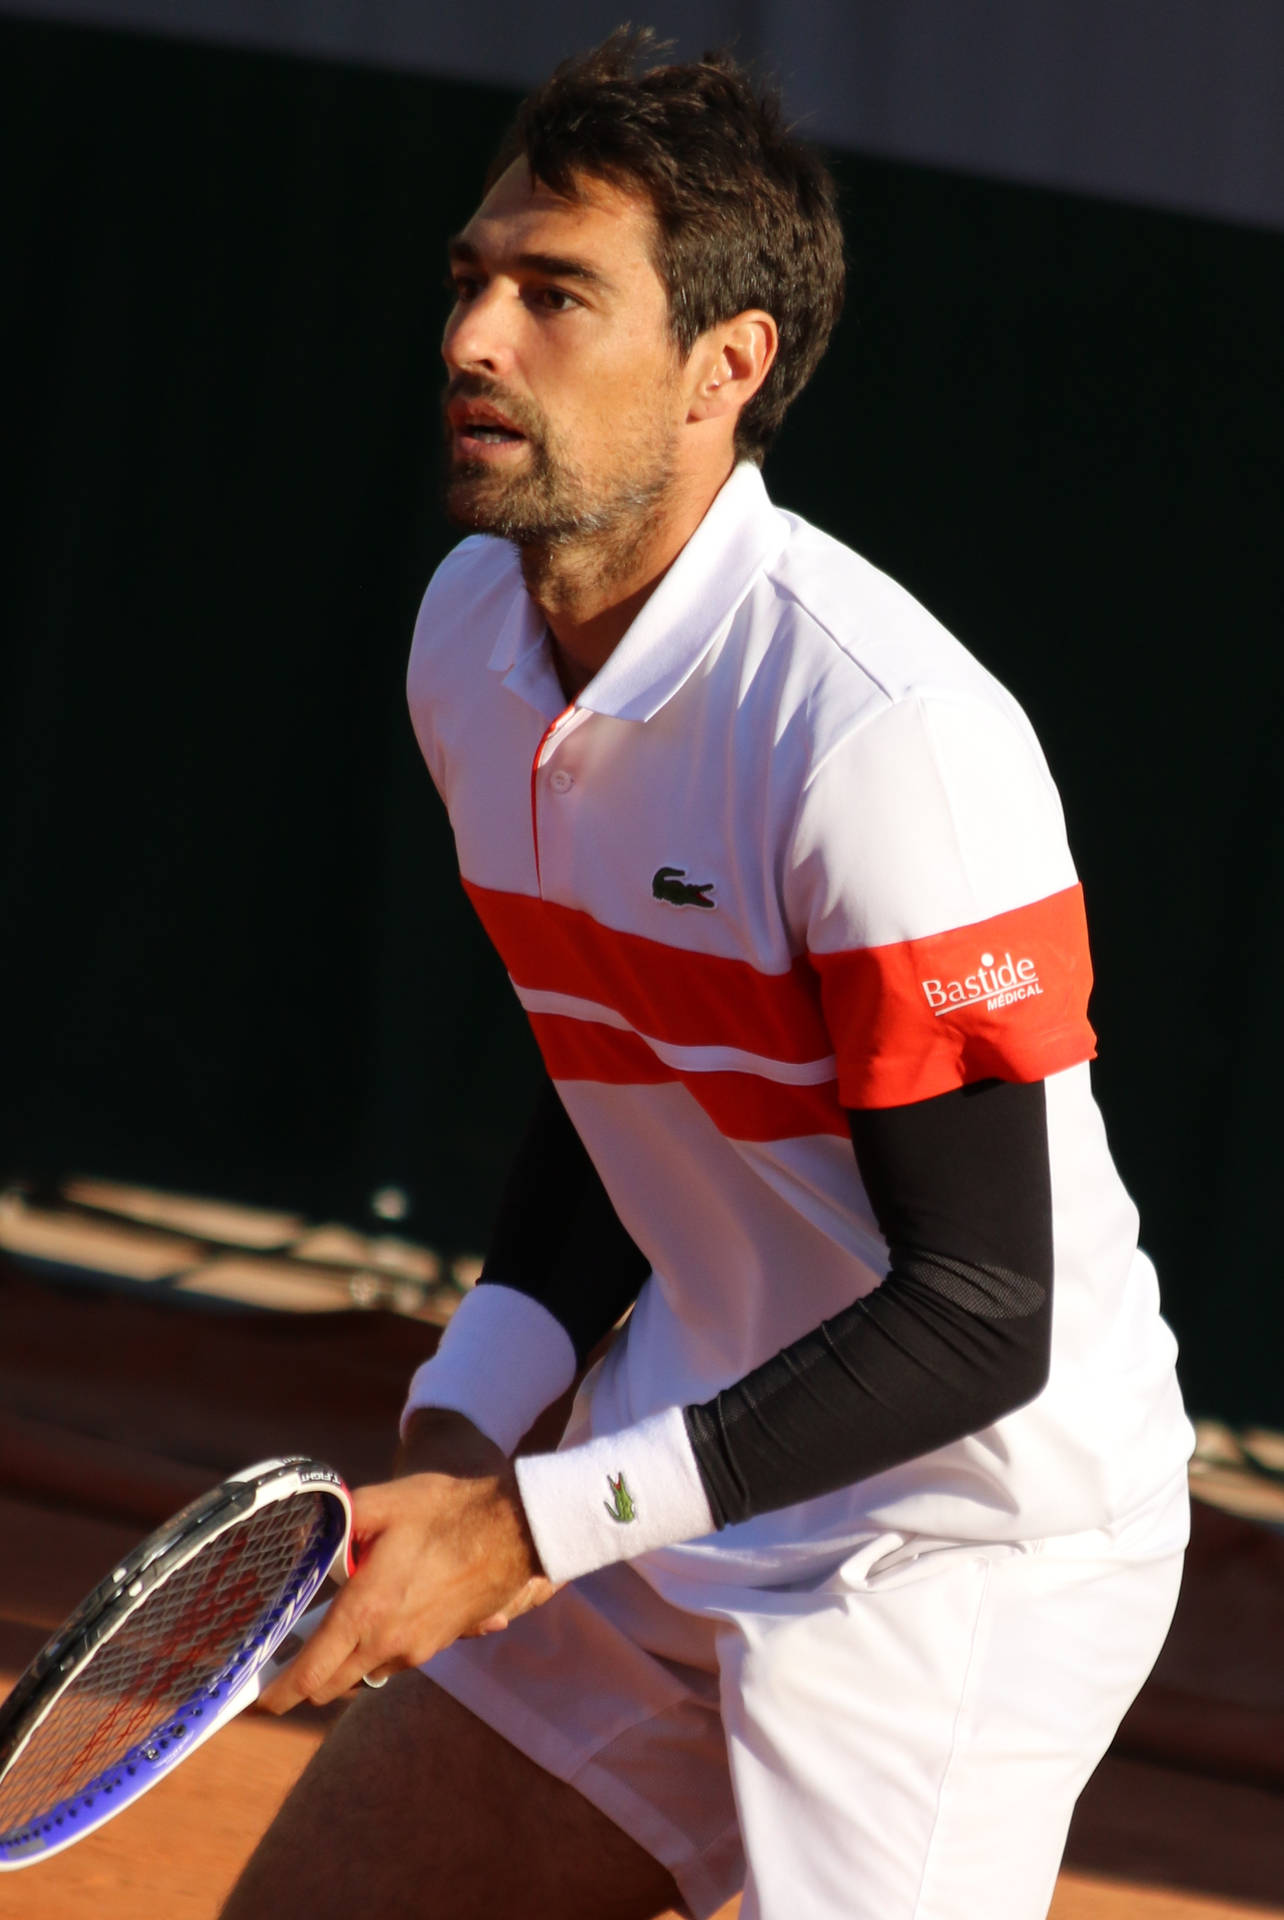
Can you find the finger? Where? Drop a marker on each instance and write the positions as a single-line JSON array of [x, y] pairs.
[[331, 1648], [284, 1692], [493, 1623], [374, 1506], [354, 1671], [533, 1594]]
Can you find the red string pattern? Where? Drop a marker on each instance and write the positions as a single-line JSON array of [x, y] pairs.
[[177, 1643]]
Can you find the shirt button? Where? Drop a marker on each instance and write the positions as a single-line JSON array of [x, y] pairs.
[[561, 781]]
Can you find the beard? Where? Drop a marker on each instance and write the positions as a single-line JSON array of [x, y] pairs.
[[551, 501]]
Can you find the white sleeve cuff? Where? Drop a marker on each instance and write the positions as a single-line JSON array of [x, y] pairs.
[[615, 1497], [502, 1359]]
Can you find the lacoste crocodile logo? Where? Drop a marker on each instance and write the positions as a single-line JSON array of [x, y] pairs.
[[622, 1510], [671, 884]]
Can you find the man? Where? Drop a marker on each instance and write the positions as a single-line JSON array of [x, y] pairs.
[[867, 1527]]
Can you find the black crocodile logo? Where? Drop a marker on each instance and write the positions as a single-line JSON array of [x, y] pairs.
[[671, 884]]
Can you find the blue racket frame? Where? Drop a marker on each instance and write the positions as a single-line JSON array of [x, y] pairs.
[[116, 1599]]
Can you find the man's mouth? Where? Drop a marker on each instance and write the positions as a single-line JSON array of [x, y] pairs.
[[482, 440], [481, 428]]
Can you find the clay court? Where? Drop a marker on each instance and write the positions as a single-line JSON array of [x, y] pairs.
[[126, 1395]]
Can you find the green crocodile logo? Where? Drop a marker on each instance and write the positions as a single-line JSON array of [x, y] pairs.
[[621, 1508], [671, 884]]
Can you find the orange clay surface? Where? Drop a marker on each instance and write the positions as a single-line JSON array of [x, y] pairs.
[[1184, 1820]]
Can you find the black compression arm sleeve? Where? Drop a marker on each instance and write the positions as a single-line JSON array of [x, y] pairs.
[[557, 1236], [956, 1335]]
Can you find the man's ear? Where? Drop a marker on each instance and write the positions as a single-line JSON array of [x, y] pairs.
[[730, 363]]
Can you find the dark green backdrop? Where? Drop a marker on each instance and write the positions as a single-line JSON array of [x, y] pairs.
[[234, 954]]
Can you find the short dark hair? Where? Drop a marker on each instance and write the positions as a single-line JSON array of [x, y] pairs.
[[745, 212]]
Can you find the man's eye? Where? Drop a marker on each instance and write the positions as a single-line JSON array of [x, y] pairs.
[[459, 287], [556, 299]]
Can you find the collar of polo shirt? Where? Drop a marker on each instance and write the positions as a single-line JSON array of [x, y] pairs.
[[741, 533]]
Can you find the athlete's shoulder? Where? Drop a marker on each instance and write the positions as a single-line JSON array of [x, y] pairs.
[[870, 620], [869, 651]]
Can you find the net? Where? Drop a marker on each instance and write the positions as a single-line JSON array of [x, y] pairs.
[[181, 1650]]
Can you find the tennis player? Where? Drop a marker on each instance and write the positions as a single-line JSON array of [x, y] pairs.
[[867, 1524]]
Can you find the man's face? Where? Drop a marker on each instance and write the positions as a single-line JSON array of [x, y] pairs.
[[564, 401]]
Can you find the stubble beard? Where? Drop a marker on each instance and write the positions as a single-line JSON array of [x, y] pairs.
[[565, 525]]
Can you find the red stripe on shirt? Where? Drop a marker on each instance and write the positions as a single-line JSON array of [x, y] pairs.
[[671, 993], [1006, 999], [743, 1106]]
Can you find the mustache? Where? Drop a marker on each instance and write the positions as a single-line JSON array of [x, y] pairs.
[[475, 386]]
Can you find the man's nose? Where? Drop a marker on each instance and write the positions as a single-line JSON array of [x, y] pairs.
[[478, 335]]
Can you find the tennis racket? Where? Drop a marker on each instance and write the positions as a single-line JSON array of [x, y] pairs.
[[166, 1650]]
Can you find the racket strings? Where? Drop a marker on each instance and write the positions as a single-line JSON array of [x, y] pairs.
[[184, 1646]]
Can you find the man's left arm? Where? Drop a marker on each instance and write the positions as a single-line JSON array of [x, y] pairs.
[[955, 1337]]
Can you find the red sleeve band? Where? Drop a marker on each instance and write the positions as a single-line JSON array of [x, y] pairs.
[[1005, 999]]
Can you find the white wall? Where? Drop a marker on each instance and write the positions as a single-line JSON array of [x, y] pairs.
[[1174, 103]]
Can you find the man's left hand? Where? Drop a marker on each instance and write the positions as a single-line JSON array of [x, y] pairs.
[[443, 1551]]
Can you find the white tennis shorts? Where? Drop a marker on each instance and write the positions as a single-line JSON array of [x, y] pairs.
[[904, 1740]]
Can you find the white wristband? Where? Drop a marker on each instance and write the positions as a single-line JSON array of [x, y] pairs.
[[615, 1497], [502, 1359]]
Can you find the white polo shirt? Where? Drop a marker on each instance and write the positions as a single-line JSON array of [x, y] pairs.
[[793, 850]]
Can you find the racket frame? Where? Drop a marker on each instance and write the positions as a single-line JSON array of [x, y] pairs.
[[114, 1601]]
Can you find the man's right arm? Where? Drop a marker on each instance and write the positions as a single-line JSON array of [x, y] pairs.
[[560, 1272]]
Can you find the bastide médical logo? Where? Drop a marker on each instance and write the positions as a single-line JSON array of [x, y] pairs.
[[996, 983]]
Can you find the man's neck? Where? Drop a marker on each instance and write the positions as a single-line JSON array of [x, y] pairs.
[[590, 591]]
